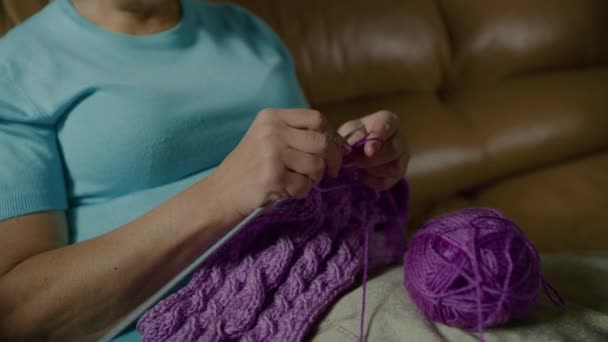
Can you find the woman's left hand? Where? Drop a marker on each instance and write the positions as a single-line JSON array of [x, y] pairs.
[[385, 160]]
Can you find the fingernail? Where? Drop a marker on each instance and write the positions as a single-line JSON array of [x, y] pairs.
[[373, 148]]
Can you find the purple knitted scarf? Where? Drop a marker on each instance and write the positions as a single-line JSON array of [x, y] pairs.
[[273, 280]]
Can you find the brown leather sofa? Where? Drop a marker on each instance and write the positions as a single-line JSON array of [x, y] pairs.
[[504, 102]]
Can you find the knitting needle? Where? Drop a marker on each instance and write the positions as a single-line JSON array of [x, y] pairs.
[[340, 141], [141, 309], [360, 127]]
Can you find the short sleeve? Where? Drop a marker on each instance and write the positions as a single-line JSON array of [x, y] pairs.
[[31, 170], [296, 95], [256, 28], [269, 33]]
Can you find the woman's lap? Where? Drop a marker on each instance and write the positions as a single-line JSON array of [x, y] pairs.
[[391, 316]]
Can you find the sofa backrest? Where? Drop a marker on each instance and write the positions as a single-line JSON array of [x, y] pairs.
[[347, 49], [358, 48], [13, 12]]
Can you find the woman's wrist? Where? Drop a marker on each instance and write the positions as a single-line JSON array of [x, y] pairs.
[[210, 208]]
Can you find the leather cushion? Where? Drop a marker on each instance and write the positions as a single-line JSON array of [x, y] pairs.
[[13, 12], [560, 208], [360, 48], [495, 39]]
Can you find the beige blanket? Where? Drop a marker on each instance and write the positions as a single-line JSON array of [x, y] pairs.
[[582, 280]]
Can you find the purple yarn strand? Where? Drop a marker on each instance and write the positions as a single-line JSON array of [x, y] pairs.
[[552, 293], [365, 271]]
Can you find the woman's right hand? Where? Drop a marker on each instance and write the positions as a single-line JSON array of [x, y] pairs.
[[284, 154]]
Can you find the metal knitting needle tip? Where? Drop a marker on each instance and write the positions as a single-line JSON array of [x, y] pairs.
[[360, 127], [337, 139]]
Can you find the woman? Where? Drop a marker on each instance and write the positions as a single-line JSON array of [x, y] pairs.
[[134, 134]]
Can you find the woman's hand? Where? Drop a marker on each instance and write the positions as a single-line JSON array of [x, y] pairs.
[[385, 163], [284, 154]]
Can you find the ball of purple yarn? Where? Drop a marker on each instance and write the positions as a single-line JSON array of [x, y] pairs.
[[472, 269]]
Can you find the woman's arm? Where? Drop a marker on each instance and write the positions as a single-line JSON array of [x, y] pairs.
[[53, 291]]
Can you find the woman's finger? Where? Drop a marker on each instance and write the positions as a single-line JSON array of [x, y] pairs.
[[306, 164], [298, 118], [316, 143], [382, 125], [305, 140], [297, 185], [389, 151], [353, 131]]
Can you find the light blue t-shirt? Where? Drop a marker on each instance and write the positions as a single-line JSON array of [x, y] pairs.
[[107, 125]]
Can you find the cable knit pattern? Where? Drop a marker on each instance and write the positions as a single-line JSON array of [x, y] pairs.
[[273, 279]]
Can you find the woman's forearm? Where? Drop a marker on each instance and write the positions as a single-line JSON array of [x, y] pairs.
[[79, 291]]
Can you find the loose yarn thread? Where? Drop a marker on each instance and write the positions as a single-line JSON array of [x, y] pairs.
[[474, 269], [358, 146]]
